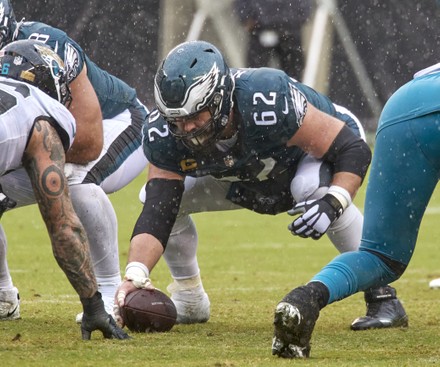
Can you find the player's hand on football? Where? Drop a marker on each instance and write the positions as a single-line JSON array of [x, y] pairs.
[[316, 216], [127, 286], [96, 318]]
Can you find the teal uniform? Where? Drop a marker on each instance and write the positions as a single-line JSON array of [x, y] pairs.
[[404, 173], [114, 95]]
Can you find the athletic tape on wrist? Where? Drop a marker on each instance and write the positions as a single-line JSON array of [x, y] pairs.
[[138, 274], [341, 194]]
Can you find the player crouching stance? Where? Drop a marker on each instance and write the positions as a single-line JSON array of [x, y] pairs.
[[36, 131], [228, 139]]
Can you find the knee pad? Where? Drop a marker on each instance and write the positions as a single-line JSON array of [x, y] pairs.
[[312, 179], [303, 189]]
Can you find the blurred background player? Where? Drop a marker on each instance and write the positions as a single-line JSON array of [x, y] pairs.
[[275, 29], [36, 132], [105, 156]]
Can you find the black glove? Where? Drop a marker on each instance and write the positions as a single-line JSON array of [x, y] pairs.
[[317, 216], [95, 318], [5, 202]]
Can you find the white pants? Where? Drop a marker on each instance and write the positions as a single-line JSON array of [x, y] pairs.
[[121, 160], [17, 185]]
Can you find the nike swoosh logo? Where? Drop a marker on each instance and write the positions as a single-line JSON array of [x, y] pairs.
[[9, 314]]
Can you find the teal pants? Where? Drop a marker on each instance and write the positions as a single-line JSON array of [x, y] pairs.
[[404, 172]]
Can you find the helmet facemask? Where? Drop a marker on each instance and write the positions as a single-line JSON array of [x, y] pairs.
[[204, 136], [194, 77], [60, 82]]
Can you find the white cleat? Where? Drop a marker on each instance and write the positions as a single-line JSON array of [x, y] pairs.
[[191, 300], [9, 305], [435, 283]]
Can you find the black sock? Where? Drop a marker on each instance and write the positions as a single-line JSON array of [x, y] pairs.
[[320, 293]]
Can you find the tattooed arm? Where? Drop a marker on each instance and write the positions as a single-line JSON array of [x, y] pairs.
[[44, 162]]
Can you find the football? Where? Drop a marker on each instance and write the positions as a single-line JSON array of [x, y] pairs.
[[147, 311]]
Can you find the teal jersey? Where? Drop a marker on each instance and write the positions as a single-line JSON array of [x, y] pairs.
[[114, 95], [412, 102], [269, 108]]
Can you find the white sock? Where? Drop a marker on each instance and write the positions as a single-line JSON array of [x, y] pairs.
[[5, 275], [98, 217]]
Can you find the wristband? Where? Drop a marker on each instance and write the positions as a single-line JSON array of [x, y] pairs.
[[138, 274], [341, 194], [137, 268]]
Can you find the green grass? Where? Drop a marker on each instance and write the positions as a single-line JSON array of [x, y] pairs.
[[248, 263]]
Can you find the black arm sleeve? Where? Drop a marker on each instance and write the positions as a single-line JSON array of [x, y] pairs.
[[160, 209], [349, 153]]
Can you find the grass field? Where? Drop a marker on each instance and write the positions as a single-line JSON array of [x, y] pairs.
[[248, 263]]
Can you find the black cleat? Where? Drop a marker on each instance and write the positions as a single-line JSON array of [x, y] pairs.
[[384, 310], [294, 321]]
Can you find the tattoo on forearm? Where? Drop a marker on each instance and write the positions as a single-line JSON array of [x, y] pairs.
[[44, 161], [53, 181]]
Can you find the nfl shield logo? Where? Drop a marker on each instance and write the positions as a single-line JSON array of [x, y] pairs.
[[229, 161]]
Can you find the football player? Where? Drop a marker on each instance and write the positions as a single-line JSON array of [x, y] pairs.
[[243, 138], [404, 173], [105, 156], [36, 132]]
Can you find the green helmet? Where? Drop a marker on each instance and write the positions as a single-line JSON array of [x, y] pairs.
[[194, 76]]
